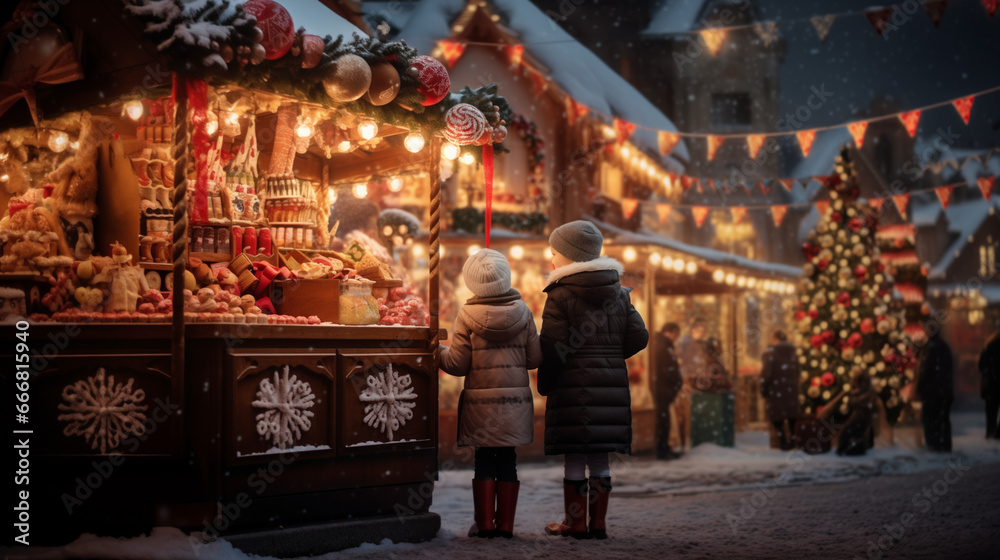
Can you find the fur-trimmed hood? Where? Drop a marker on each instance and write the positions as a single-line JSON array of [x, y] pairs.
[[600, 263]]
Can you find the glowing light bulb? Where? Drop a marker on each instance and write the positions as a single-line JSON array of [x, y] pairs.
[[679, 265], [418, 251], [331, 196], [134, 109], [467, 158], [360, 190], [741, 281], [751, 282], [719, 276], [344, 146], [655, 258], [304, 131], [667, 263], [396, 184], [473, 249], [450, 151], [625, 152], [691, 267], [368, 129], [730, 279], [517, 252], [630, 254], [414, 142], [58, 141]]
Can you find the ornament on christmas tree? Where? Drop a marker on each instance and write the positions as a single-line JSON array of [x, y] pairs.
[[350, 79], [385, 84], [464, 124], [433, 78], [275, 24], [312, 51]]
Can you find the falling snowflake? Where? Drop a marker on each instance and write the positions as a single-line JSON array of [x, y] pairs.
[[285, 402], [102, 412], [387, 394]]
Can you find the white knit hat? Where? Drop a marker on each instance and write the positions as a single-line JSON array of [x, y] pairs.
[[487, 273]]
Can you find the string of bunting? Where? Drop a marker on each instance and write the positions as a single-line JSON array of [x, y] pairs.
[[700, 212]]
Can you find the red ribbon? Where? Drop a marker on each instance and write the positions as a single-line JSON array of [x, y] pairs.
[[488, 176], [198, 100]]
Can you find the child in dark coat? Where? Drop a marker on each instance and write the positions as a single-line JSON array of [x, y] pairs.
[[495, 345], [589, 329]]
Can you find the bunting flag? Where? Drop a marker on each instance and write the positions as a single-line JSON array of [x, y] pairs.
[[576, 111], [737, 213], [789, 184], [857, 130], [910, 120], [667, 141], [822, 25], [806, 138], [663, 211], [822, 206], [451, 51], [935, 9], [986, 186], [754, 144], [624, 130], [767, 31], [763, 188], [944, 195], [711, 184], [515, 54], [879, 18], [699, 213], [713, 39], [699, 186], [876, 204], [685, 182], [628, 206], [991, 6], [713, 144], [964, 107], [778, 213], [901, 200]]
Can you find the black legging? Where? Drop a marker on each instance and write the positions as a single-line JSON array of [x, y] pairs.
[[779, 426], [935, 415], [496, 463], [992, 407]]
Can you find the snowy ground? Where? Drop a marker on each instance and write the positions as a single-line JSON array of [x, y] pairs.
[[713, 501]]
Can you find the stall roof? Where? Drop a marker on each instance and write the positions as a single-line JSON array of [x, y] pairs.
[[571, 65], [712, 256], [964, 219], [989, 291]]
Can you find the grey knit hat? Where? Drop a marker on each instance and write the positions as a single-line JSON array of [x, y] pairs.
[[578, 241], [487, 273]]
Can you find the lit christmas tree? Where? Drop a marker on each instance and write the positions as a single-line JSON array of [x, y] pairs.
[[847, 316]]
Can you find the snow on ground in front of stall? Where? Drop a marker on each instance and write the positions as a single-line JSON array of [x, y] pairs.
[[748, 467]]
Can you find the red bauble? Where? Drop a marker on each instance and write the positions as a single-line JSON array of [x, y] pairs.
[[807, 250], [275, 23], [835, 217], [860, 271], [799, 315], [433, 79], [822, 264], [867, 325], [855, 224], [813, 314], [815, 381], [828, 379], [312, 50], [464, 124], [855, 340], [828, 337], [844, 299], [816, 341]]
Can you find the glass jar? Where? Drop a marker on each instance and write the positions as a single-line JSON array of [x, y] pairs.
[[357, 305]]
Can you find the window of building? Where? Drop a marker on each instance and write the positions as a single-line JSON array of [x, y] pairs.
[[987, 258], [731, 109]]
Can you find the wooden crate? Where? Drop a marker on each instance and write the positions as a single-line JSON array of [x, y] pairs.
[[319, 297]]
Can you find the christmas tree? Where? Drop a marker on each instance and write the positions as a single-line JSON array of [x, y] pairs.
[[847, 317]]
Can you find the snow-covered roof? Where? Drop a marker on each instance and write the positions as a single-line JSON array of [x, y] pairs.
[[925, 214], [990, 291], [571, 65], [676, 16], [318, 19], [964, 219], [713, 256]]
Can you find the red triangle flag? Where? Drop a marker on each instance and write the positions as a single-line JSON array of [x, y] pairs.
[[876, 204], [685, 182], [737, 213], [991, 6], [624, 130], [667, 141], [944, 195], [763, 188], [778, 213], [822, 206], [713, 144], [986, 186], [628, 206], [806, 138], [515, 53], [879, 18], [754, 143], [451, 51], [711, 184], [935, 10], [901, 200], [663, 211], [699, 213], [789, 184], [576, 111], [857, 130], [964, 107], [910, 121]]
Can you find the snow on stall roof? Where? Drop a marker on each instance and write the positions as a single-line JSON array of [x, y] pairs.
[[964, 218], [677, 16], [714, 256], [577, 70], [989, 291], [925, 214]]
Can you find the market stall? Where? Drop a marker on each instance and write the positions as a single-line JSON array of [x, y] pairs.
[[229, 274]]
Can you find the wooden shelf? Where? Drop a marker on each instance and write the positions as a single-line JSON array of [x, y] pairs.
[[157, 266], [211, 257], [321, 251], [247, 223]]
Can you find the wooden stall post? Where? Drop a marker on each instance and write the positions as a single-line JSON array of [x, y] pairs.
[[434, 250]]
